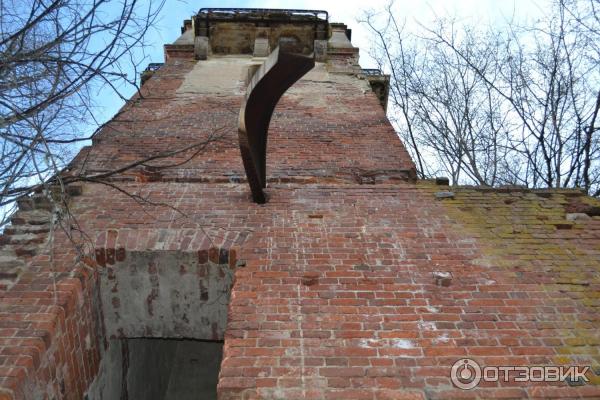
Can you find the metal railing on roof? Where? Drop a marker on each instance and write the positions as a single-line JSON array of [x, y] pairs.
[[258, 14], [154, 66], [371, 71], [149, 71]]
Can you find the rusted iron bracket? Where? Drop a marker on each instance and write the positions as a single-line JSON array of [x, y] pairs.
[[281, 70]]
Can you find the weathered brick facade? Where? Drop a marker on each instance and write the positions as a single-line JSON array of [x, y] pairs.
[[354, 280]]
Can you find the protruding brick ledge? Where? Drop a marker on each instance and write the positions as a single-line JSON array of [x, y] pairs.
[[28, 233]]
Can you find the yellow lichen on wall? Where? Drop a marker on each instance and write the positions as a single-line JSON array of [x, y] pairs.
[[538, 249]]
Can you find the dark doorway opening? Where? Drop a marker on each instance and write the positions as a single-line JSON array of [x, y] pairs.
[[159, 369], [163, 318]]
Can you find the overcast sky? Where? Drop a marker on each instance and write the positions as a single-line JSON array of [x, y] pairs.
[[349, 11], [346, 11]]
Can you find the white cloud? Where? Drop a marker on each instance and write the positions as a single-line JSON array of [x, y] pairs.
[[350, 11]]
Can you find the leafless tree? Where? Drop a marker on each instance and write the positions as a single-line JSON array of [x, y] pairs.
[[55, 55], [510, 104]]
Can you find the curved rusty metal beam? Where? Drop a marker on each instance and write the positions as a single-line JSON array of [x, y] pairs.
[[280, 71]]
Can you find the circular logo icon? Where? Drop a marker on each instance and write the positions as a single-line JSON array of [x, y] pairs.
[[465, 374]]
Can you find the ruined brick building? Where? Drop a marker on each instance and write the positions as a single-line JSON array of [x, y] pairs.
[[352, 279]]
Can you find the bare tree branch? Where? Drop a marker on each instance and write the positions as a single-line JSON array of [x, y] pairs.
[[494, 105]]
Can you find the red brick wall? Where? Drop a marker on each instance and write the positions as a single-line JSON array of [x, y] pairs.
[[338, 298], [320, 131], [50, 330], [335, 294]]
